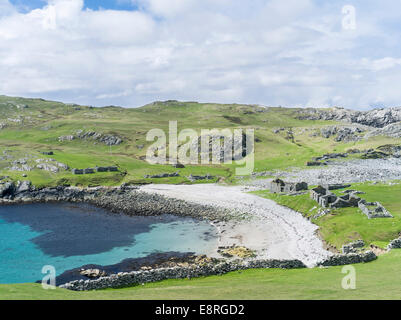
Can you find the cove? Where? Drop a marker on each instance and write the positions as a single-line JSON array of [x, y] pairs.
[[67, 236]]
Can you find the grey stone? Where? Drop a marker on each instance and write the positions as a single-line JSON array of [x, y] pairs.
[[279, 186], [162, 175], [77, 171], [23, 186], [344, 259], [353, 247], [373, 210]]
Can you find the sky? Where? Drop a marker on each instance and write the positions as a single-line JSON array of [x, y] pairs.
[[292, 53]]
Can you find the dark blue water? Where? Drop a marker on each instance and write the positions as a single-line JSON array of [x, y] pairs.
[[67, 236]]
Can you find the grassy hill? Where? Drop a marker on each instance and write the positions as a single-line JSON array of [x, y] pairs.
[[30, 126]]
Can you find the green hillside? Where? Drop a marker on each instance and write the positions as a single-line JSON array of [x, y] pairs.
[[31, 126]]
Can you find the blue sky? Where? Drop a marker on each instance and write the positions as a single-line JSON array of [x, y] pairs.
[[25, 5], [304, 53]]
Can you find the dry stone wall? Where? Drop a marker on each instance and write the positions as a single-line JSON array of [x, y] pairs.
[[139, 277]]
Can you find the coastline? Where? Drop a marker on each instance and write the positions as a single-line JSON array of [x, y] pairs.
[[278, 236], [271, 230], [242, 219]]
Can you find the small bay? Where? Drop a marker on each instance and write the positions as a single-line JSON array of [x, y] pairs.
[[67, 236]]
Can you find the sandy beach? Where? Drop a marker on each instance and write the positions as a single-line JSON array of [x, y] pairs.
[[273, 231]]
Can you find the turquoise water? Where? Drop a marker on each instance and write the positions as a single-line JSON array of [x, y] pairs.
[[68, 236]]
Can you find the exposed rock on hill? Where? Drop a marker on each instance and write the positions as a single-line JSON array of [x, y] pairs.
[[221, 148], [392, 130], [377, 118], [344, 134], [107, 139]]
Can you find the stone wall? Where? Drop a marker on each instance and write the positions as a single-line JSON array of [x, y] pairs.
[[162, 175], [394, 244], [124, 279], [95, 169], [344, 259], [353, 247], [327, 199], [376, 210], [139, 277]]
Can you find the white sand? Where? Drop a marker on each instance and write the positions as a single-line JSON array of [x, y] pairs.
[[274, 231]]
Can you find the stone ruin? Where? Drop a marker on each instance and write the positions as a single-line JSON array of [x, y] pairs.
[[162, 175], [194, 178], [374, 210], [327, 199], [93, 170], [279, 186]]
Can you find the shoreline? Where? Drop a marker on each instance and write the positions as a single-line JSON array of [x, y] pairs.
[[241, 219], [279, 236], [272, 231]]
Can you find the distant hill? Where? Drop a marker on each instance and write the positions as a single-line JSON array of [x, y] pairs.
[[84, 137]]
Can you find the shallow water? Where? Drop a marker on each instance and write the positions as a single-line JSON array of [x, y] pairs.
[[67, 236]]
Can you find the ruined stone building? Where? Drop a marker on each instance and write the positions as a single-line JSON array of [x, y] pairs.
[[328, 199], [279, 186], [374, 209]]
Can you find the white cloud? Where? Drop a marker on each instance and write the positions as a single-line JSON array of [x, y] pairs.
[[168, 8], [268, 51], [6, 8], [381, 64]]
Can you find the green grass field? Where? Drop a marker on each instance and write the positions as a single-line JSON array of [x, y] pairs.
[[375, 280]]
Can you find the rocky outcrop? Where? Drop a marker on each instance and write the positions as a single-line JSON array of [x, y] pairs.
[[344, 134], [23, 186], [329, 156], [124, 199], [392, 130], [377, 118], [93, 273], [107, 139], [391, 149], [219, 147], [124, 279], [7, 189], [66, 138], [373, 154], [50, 165]]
